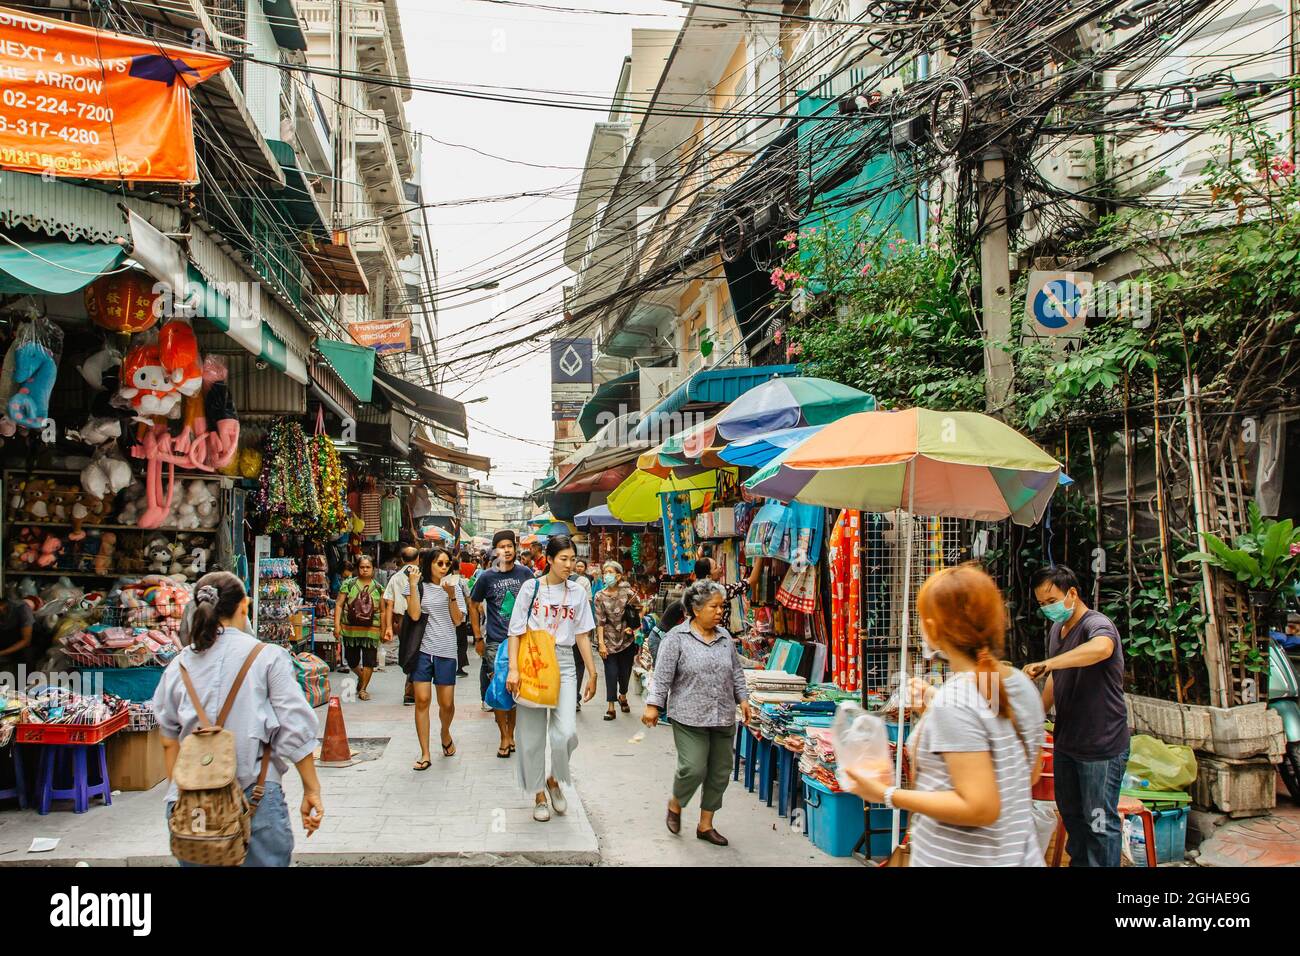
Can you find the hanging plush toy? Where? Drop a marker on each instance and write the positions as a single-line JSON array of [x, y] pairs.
[[34, 371], [97, 366], [179, 351], [147, 384]]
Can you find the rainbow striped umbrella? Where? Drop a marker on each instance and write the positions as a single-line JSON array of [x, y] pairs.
[[956, 464]]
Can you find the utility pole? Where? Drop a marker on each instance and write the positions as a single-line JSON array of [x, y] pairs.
[[995, 268]]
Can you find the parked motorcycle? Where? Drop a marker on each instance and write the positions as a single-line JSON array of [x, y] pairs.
[[1284, 697]]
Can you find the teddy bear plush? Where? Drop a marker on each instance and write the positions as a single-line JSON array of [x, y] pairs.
[[104, 558], [176, 569], [36, 505]]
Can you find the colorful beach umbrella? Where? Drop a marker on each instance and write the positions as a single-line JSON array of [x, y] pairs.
[[790, 403], [956, 464], [557, 527], [758, 450], [637, 498]]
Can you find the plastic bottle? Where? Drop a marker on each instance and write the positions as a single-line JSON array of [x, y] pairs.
[[1132, 782]]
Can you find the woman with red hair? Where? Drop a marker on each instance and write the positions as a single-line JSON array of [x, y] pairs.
[[975, 750]]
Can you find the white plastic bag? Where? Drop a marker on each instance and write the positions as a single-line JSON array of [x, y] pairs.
[[861, 742], [1043, 813]]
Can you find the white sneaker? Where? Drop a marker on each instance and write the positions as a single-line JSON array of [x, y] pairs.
[[541, 812], [557, 799], [484, 707]]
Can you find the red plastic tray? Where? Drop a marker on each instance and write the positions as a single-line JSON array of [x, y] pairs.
[[72, 733]]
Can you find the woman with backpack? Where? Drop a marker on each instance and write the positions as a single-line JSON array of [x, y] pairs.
[[230, 701], [435, 618], [554, 604], [618, 618], [358, 621], [976, 747]]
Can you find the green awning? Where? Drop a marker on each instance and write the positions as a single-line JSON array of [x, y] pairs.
[[713, 386], [285, 24], [250, 331], [55, 266], [296, 199], [355, 365], [621, 391]]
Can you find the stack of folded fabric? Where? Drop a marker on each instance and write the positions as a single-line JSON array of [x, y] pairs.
[[775, 687], [818, 760]]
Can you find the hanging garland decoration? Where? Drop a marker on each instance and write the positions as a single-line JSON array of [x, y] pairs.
[[636, 551], [287, 496], [331, 486]]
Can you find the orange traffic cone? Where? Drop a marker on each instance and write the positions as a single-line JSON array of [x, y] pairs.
[[335, 747]]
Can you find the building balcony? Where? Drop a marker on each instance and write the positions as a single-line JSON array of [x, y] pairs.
[[377, 163], [370, 31], [370, 241]]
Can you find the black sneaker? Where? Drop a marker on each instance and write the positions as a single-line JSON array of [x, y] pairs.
[[408, 701]]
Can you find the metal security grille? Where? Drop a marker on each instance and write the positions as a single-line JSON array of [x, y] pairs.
[[936, 543]]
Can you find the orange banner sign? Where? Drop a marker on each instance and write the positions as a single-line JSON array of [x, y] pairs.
[[385, 336], [91, 104]]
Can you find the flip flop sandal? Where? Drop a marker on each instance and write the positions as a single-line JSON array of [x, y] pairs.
[[609, 715], [449, 750], [363, 695], [503, 752], [422, 765], [623, 706], [512, 748]]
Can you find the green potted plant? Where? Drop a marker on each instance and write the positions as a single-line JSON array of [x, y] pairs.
[[1266, 556]]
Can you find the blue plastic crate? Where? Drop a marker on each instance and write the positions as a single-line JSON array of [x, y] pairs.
[[1171, 837], [834, 820]]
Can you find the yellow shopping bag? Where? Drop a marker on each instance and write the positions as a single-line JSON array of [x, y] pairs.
[[539, 669]]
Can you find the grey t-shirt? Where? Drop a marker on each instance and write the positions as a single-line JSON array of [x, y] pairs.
[[960, 720], [1091, 718]]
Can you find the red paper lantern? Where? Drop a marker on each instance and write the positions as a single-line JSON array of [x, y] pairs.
[[123, 302]]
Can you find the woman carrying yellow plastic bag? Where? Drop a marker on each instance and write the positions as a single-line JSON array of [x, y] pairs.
[[552, 615]]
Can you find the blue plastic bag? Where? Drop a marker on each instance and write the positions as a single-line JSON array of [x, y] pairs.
[[497, 697]]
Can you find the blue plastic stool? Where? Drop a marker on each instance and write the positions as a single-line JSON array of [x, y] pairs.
[[69, 762], [19, 790], [766, 770], [742, 734], [752, 745], [786, 780]]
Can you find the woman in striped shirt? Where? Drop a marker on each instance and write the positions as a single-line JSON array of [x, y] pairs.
[[977, 745], [442, 608]]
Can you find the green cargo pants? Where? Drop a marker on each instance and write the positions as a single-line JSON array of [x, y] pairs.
[[704, 760]]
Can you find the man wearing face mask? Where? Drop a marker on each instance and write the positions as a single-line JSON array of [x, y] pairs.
[[1085, 680]]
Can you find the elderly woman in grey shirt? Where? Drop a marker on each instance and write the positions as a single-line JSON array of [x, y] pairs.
[[698, 670], [269, 716]]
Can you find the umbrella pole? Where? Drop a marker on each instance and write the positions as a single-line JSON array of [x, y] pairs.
[[902, 652]]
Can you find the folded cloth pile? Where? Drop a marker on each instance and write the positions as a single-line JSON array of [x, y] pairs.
[[818, 760], [774, 687]]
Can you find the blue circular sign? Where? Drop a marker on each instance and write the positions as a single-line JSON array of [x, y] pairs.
[[1057, 304]]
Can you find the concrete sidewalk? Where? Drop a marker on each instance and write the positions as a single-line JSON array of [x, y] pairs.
[[377, 811]]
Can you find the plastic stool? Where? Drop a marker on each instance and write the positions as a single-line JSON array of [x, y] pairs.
[[751, 758], [766, 770], [58, 759], [785, 781], [1128, 807], [19, 790], [742, 734]]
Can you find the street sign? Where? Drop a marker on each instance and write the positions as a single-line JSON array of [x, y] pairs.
[[571, 361], [1057, 303]]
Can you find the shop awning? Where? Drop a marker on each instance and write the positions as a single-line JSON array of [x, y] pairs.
[[601, 517], [445, 411], [454, 455], [355, 365], [54, 266], [296, 199], [444, 484], [335, 268], [285, 24], [614, 397], [245, 326], [713, 386]]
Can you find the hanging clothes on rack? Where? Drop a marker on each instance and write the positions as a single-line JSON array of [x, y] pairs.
[[390, 518], [371, 508]]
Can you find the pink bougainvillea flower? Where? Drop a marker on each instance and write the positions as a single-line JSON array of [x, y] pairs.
[[778, 336], [1295, 549], [865, 269], [791, 237], [793, 349]]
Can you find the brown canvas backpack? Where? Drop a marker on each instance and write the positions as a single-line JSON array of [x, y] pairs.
[[211, 822]]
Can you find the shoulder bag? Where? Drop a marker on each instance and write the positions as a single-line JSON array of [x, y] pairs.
[[539, 669]]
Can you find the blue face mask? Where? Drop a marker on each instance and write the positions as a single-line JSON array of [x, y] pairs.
[[1057, 613], [610, 579]]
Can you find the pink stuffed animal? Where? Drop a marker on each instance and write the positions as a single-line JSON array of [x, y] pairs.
[[51, 548]]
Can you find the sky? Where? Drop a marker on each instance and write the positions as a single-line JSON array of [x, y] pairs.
[[475, 44]]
